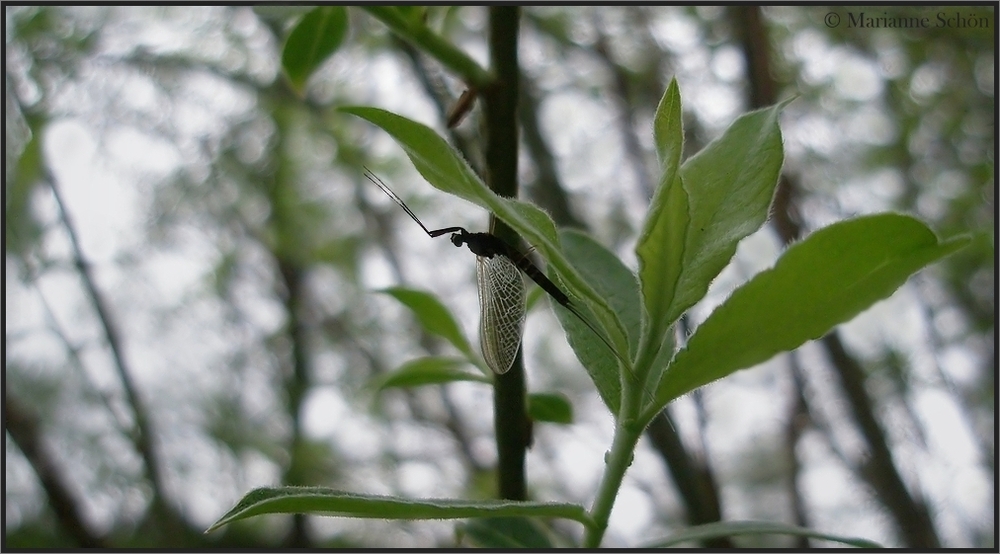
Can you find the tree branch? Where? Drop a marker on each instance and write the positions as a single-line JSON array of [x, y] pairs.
[[23, 428], [548, 192]]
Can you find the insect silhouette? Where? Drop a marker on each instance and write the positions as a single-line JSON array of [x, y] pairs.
[[501, 289]]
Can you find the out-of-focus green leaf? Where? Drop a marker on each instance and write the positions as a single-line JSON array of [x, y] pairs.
[[736, 528], [409, 23], [332, 502], [433, 316], [314, 39], [21, 229], [535, 293], [550, 407], [415, 14], [822, 281], [432, 370]]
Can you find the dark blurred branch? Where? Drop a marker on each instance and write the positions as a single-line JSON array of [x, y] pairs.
[[548, 192], [513, 428], [297, 385], [620, 84], [142, 434], [23, 428], [438, 94], [753, 37], [910, 514], [691, 474], [797, 421], [692, 477], [748, 21], [73, 352], [291, 259]]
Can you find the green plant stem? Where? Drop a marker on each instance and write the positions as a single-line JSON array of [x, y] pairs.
[[617, 461], [435, 45], [628, 428]]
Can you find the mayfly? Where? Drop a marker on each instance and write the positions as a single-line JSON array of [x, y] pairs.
[[501, 289]]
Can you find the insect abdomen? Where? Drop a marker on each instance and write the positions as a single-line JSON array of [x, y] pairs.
[[531, 270]]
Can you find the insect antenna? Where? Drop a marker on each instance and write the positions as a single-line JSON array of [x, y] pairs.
[[378, 183], [586, 322], [569, 306]]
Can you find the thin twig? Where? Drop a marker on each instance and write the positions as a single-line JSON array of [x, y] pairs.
[[142, 435]]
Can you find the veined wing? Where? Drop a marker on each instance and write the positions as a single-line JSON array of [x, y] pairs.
[[501, 306]]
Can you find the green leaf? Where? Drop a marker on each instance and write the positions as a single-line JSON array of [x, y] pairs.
[[332, 502], [431, 155], [550, 407], [697, 217], [730, 184], [445, 169], [736, 528], [22, 229], [617, 285], [668, 131], [414, 14], [433, 316], [432, 370], [660, 248], [506, 532], [609, 277], [822, 281], [314, 39]]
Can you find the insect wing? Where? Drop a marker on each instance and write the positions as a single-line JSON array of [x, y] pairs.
[[502, 307]]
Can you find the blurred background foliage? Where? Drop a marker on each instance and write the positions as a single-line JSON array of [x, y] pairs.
[[191, 254]]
